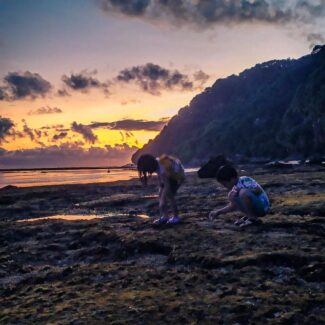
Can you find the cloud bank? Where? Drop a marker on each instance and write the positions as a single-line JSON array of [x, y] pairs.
[[45, 110], [5, 125], [59, 136], [67, 155], [25, 85], [153, 78], [85, 131], [28, 131], [204, 14], [150, 77], [83, 82], [131, 125]]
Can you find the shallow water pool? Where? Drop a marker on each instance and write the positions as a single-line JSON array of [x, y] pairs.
[[78, 217]]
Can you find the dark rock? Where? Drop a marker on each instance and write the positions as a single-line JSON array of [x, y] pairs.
[[320, 161], [122, 270]]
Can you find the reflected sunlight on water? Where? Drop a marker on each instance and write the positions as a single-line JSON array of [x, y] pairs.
[[68, 217], [27, 178], [78, 217], [59, 177]]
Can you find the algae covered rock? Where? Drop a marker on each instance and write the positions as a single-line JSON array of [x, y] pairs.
[[121, 270]]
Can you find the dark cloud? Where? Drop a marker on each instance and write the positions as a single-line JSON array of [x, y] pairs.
[[122, 136], [24, 85], [59, 136], [45, 110], [40, 143], [85, 131], [307, 15], [66, 155], [129, 135], [204, 13], [132, 8], [131, 125], [153, 78], [28, 131], [83, 81], [34, 134], [38, 133], [97, 125], [6, 125], [55, 127], [16, 134]]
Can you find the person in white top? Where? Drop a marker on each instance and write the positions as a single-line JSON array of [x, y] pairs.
[[245, 195]]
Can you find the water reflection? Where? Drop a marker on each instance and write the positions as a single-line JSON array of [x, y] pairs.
[[69, 217], [26, 178], [61, 177], [142, 216], [78, 217]]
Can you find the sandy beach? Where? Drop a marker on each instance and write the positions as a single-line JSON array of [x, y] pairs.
[[119, 269]]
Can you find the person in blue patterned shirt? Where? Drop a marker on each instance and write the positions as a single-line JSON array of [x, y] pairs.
[[245, 195]]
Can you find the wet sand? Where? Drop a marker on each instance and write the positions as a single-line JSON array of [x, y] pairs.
[[119, 269]]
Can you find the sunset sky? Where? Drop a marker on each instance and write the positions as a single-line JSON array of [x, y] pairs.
[[87, 82]]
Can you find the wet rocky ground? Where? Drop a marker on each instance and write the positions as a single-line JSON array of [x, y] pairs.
[[122, 270]]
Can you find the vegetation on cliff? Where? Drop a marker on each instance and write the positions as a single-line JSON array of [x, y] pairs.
[[274, 110]]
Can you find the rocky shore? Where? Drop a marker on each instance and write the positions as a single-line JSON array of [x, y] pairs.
[[119, 269]]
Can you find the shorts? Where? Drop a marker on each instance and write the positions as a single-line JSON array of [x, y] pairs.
[[260, 202]]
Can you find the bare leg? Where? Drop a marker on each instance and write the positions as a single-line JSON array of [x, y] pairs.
[[170, 195], [234, 203], [234, 206], [243, 203], [163, 205], [248, 205], [173, 205]]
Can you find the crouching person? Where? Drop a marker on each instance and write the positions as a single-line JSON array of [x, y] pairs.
[[171, 175], [245, 195]]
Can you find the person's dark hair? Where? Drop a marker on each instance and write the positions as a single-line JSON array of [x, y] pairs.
[[226, 173], [147, 164]]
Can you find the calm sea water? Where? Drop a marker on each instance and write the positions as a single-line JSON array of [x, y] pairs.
[[56, 177]]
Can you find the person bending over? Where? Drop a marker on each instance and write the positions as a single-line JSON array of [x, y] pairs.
[[170, 176]]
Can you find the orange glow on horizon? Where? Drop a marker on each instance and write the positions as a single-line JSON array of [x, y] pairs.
[[105, 138], [86, 109]]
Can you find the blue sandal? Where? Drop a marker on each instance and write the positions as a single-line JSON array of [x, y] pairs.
[[160, 221], [173, 221]]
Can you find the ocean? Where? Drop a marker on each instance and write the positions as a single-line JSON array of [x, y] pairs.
[[25, 178]]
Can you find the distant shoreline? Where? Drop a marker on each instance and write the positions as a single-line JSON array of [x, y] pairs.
[[62, 168]]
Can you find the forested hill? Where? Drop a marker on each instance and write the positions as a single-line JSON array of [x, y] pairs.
[[274, 110]]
